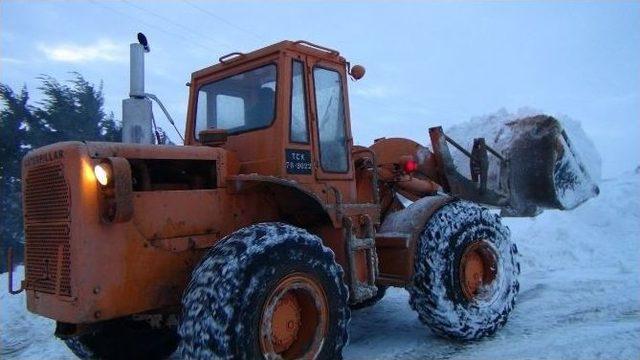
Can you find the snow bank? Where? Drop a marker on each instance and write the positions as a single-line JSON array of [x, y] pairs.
[[579, 292]]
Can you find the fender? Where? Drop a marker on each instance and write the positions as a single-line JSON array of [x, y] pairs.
[[296, 205], [397, 239]]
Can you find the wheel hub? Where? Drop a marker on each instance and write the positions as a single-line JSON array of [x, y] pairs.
[[478, 267], [285, 322], [294, 319]]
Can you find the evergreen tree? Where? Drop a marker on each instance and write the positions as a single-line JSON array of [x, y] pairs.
[[76, 112], [16, 123], [67, 112]]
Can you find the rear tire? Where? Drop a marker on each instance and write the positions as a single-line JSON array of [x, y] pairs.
[[466, 268], [124, 339], [232, 306]]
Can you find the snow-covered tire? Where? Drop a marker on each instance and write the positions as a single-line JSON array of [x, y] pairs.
[[79, 349], [124, 339], [437, 289], [230, 289], [382, 290]]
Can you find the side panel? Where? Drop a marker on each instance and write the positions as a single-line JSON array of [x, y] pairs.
[[133, 273], [124, 268]]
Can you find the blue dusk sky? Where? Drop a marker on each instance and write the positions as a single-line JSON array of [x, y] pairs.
[[428, 63]]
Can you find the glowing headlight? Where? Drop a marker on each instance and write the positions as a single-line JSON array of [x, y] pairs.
[[103, 174]]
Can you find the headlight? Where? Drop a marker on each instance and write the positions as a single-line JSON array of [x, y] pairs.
[[102, 173], [115, 192]]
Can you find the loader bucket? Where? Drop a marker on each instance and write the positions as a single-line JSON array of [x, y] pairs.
[[544, 171]]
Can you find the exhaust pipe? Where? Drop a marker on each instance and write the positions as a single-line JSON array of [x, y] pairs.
[[136, 67], [137, 115]]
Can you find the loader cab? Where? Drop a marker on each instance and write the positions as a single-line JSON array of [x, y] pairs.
[[284, 109]]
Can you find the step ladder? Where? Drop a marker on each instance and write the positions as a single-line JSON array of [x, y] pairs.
[[361, 291]]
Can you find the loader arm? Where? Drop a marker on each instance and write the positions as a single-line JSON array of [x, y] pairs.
[[456, 184], [536, 169]]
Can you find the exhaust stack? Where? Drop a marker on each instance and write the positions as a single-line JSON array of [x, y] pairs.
[[136, 110]]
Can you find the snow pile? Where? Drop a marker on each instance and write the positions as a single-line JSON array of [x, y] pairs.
[[602, 232], [493, 127], [545, 169]]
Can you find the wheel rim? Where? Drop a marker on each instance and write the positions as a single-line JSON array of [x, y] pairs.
[[293, 322], [478, 270]]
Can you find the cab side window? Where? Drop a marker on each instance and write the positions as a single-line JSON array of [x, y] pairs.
[[239, 103], [299, 127]]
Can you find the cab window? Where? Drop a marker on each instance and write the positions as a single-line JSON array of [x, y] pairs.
[[299, 128], [239, 103], [331, 126]]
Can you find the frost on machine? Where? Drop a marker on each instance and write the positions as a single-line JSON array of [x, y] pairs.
[[258, 237]]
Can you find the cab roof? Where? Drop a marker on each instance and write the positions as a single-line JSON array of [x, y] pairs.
[[300, 46]]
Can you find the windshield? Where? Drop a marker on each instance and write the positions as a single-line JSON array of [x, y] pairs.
[[331, 129], [238, 103]]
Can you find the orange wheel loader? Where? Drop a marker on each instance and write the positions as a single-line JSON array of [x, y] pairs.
[[258, 237]]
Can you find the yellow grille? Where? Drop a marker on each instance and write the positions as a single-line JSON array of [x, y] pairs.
[[46, 195], [47, 229]]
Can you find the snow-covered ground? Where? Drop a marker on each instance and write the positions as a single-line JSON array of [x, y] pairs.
[[579, 297]]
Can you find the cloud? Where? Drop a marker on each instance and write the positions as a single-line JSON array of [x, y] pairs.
[[102, 50]]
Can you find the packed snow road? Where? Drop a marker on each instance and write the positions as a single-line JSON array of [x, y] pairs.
[[579, 296]]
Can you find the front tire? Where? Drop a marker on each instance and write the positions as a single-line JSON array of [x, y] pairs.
[[466, 268], [264, 291]]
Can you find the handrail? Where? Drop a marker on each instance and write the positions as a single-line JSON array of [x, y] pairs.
[[316, 46], [464, 151], [495, 153], [374, 163], [233, 54], [458, 146], [166, 113]]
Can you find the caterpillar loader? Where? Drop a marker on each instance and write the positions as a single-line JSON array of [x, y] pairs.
[[260, 235]]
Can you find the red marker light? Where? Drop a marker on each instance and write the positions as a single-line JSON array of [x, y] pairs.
[[410, 166]]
